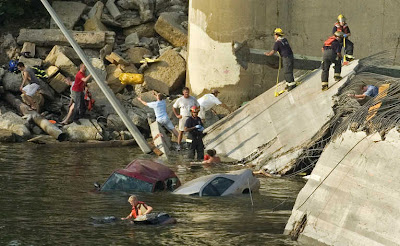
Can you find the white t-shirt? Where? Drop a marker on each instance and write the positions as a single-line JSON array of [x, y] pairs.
[[184, 104], [208, 101]]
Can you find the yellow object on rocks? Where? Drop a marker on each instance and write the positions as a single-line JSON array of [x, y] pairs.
[[131, 78], [148, 60]]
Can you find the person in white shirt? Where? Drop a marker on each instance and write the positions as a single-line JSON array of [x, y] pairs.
[[184, 103], [160, 110], [208, 101]]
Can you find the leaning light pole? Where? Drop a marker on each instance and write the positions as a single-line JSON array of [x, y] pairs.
[[104, 88]]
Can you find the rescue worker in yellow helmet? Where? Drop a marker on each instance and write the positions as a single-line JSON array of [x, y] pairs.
[[282, 46], [341, 26], [332, 53]]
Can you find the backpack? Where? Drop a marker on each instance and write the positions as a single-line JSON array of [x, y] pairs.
[[12, 66]]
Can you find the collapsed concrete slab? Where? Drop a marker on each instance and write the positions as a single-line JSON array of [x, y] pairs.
[[352, 195], [69, 12], [271, 131], [168, 74], [160, 139], [51, 37], [169, 27]]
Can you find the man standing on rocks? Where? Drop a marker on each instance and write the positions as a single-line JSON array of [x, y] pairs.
[[208, 101], [184, 103], [78, 94], [332, 53], [283, 48], [29, 78]]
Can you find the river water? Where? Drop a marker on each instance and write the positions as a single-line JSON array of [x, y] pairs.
[[46, 198]]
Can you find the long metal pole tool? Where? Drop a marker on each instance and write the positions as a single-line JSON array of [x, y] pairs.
[[104, 88]]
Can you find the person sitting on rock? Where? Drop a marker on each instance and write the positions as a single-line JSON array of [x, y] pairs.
[[29, 90], [138, 208], [160, 110]]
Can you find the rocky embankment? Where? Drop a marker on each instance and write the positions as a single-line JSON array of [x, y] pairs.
[[116, 36]]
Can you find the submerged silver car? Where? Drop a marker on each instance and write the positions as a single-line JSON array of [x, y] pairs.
[[221, 184]]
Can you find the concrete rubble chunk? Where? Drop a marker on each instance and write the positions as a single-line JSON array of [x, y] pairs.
[[127, 4], [12, 81], [30, 62], [146, 9], [129, 18], [94, 22], [29, 49], [105, 51], [8, 48], [116, 59], [51, 37], [102, 103], [169, 27], [67, 51], [69, 12], [136, 54], [87, 130], [7, 136], [113, 9], [132, 39], [113, 73], [99, 67], [15, 123], [52, 71], [58, 83], [66, 65], [168, 74], [143, 30], [139, 118]]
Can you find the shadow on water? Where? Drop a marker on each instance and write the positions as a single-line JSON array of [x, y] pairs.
[[46, 198]]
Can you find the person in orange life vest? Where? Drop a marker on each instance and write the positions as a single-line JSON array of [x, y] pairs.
[[331, 54], [282, 46], [341, 26], [138, 208]]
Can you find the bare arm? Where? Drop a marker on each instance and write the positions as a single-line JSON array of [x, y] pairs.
[[270, 53], [25, 79], [176, 113], [143, 102], [148, 210], [226, 106], [85, 79]]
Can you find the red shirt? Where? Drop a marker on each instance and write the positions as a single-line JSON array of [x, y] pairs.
[[79, 85]]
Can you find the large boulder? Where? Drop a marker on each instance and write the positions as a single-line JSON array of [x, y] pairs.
[[113, 73], [99, 67], [168, 74], [143, 30], [12, 81], [129, 18], [69, 11], [138, 117], [136, 54], [58, 83], [169, 27], [7, 136], [30, 62], [15, 123], [8, 48], [86, 130], [66, 65], [67, 51]]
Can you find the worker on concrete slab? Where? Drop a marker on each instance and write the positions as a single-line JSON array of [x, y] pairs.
[[184, 103], [341, 26], [282, 46], [208, 101], [332, 53]]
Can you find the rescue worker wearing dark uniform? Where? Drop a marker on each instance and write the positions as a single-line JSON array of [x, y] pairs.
[[194, 126], [331, 54], [341, 26], [283, 48]]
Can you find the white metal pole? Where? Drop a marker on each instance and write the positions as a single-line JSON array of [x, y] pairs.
[[104, 88]]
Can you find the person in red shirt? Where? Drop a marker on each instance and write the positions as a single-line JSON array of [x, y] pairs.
[[78, 94], [138, 208]]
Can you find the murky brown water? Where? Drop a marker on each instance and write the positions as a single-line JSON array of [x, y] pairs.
[[46, 199]]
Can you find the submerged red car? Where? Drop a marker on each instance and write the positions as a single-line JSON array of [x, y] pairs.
[[141, 176]]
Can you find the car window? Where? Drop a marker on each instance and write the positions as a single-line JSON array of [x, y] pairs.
[[171, 183], [121, 182], [217, 187]]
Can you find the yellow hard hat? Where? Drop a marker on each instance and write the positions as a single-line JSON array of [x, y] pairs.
[[278, 31], [341, 18], [338, 34]]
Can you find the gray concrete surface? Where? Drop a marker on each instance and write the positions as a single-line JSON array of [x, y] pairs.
[[352, 195], [276, 128]]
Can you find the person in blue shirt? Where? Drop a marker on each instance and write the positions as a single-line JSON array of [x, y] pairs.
[[160, 110], [367, 91]]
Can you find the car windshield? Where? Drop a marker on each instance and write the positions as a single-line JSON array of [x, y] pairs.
[[217, 187], [121, 182]]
